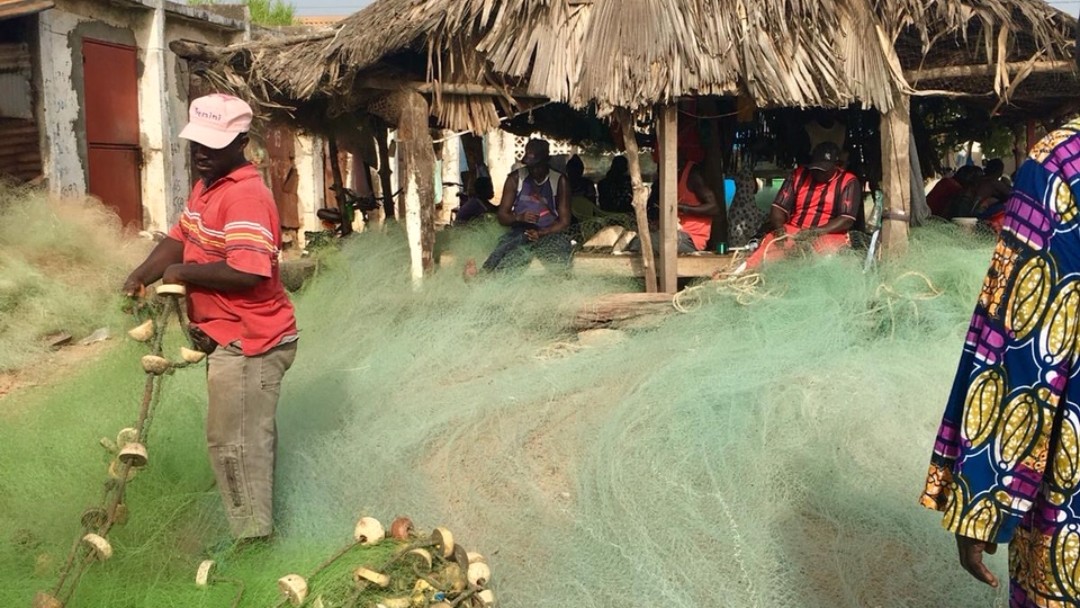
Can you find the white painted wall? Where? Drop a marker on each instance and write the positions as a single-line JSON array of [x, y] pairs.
[[61, 159], [309, 169], [162, 101]]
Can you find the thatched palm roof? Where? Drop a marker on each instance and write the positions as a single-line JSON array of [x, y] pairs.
[[637, 53]]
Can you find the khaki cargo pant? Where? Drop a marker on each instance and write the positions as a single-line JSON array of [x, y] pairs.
[[242, 435]]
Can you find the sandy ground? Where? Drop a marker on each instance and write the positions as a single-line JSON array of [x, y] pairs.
[[58, 364]]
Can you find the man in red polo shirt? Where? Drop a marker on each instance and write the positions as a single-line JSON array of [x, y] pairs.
[[817, 205], [225, 250]]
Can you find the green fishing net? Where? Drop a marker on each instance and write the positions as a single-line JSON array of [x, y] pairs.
[[56, 255], [763, 453]]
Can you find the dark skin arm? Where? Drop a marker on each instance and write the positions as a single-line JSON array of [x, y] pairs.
[[218, 276], [165, 263], [971, 558], [709, 207], [165, 254]]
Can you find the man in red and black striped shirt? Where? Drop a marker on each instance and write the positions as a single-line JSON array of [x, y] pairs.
[[817, 204]]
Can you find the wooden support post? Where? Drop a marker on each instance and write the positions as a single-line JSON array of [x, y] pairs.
[[416, 149], [641, 196], [382, 135], [339, 188], [669, 198], [1031, 134], [896, 176]]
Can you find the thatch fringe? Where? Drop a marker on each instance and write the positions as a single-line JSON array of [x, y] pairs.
[[638, 53]]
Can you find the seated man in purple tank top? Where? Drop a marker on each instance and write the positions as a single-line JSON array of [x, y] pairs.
[[536, 207]]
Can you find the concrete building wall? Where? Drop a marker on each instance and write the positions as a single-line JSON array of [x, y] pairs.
[[162, 92]]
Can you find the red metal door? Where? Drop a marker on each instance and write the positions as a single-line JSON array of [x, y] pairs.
[[111, 101]]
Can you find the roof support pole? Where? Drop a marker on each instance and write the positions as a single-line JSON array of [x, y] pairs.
[[416, 149], [669, 198], [896, 176], [641, 196]]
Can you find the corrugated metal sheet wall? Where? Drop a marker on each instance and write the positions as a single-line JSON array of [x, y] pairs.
[[20, 148]]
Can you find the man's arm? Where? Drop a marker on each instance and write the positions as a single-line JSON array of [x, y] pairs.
[[505, 212], [782, 207], [563, 205], [710, 206], [168, 252], [218, 276]]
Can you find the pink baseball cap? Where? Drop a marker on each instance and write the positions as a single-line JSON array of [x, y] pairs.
[[215, 120]]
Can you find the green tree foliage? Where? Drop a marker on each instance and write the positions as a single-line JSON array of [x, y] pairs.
[[264, 12]]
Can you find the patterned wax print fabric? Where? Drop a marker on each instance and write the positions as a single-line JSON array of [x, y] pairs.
[[745, 218], [1006, 463]]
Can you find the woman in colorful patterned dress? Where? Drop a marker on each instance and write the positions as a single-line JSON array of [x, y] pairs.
[[1006, 464]]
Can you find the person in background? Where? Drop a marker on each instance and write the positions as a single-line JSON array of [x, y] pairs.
[[580, 186], [1005, 466], [817, 205], [963, 203], [479, 204], [225, 249], [745, 216], [616, 189], [698, 205], [536, 207]]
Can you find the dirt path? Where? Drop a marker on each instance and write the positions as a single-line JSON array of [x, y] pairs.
[[50, 369]]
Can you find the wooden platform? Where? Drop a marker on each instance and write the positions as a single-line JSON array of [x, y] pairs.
[[609, 265]]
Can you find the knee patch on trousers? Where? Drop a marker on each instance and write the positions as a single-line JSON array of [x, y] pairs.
[[230, 463]]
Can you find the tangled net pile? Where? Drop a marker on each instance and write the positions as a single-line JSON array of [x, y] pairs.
[[763, 453], [55, 257]]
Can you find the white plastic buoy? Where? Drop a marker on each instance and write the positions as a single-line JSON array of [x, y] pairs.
[[363, 576], [126, 436], [153, 364], [453, 577], [395, 602], [171, 289], [419, 557], [142, 332], [133, 454], [101, 547], [486, 597], [94, 517], [475, 558], [191, 356], [202, 575], [116, 470], [46, 600], [369, 531], [479, 574], [443, 539], [294, 587]]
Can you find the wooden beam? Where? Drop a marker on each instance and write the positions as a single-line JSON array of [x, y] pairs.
[[985, 70], [339, 187], [624, 310], [669, 198], [641, 196], [896, 177], [415, 147], [445, 88]]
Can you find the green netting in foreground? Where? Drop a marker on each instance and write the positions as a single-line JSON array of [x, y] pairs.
[[768, 455]]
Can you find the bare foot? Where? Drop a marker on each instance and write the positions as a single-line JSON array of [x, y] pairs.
[[470, 271]]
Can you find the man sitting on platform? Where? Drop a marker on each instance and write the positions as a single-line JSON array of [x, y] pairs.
[[817, 205], [536, 206], [697, 205]]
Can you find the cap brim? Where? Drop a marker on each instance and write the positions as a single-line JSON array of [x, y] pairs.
[[211, 138], [825, 166]]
